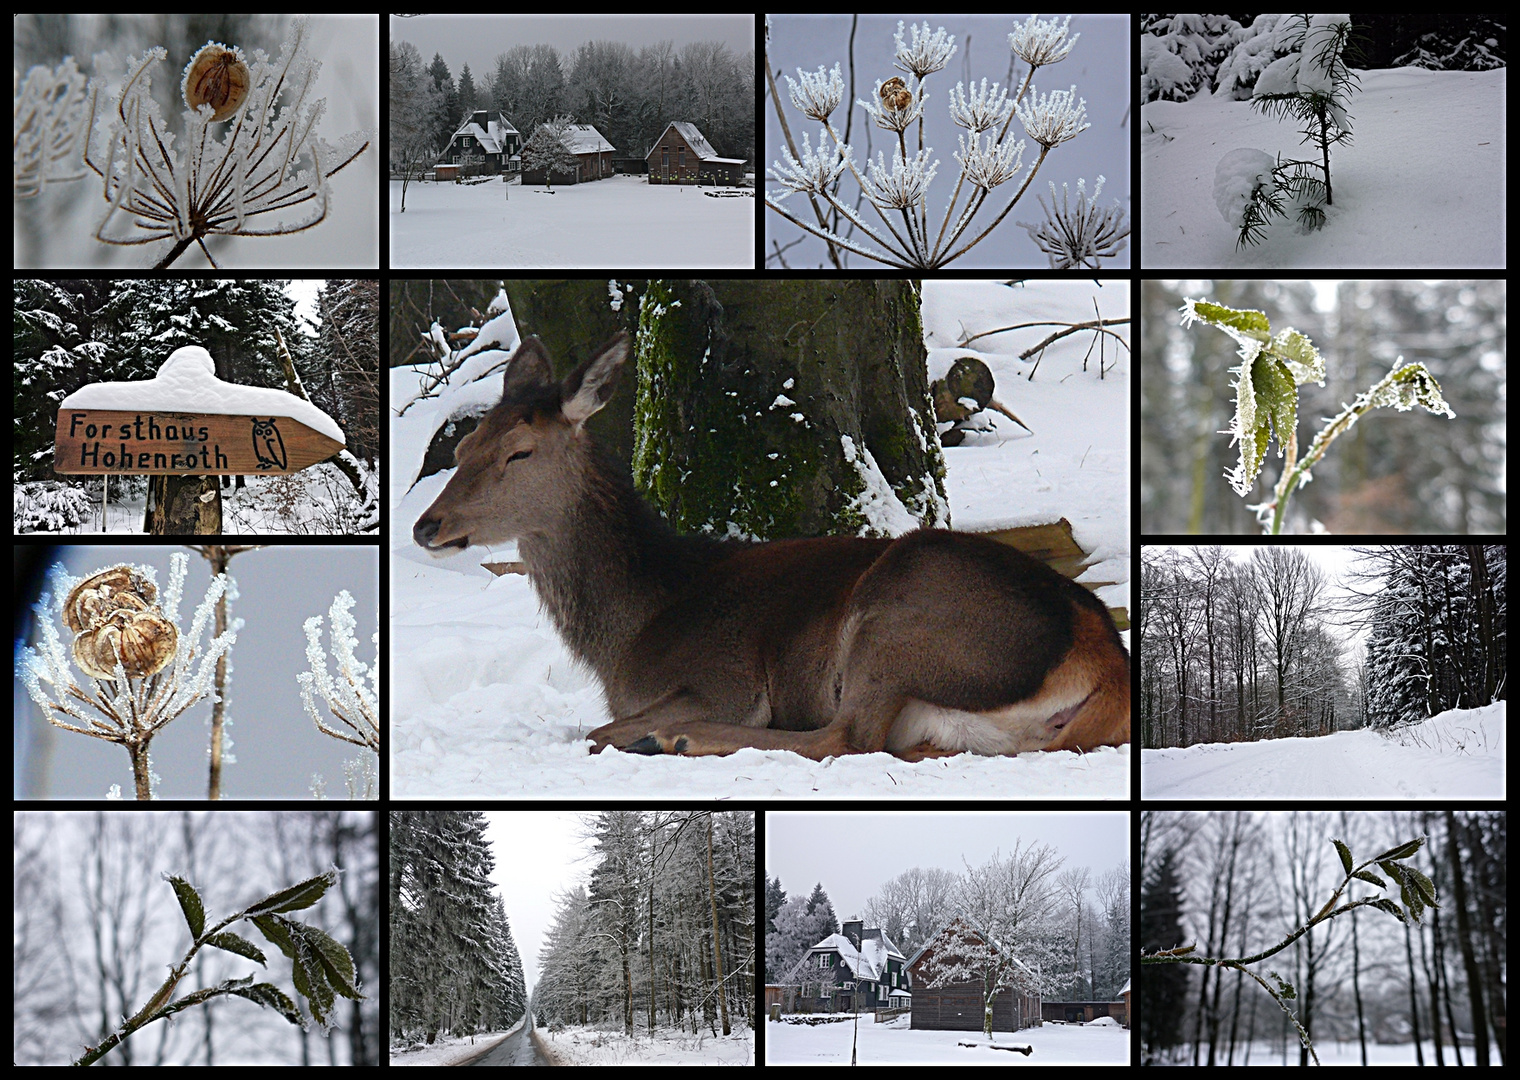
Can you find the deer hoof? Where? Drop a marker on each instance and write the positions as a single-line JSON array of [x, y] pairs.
[[653, 744]]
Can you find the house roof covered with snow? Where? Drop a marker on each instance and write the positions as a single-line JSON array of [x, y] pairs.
[[490, 135], [867, 962], [696, 140], [585, 139]]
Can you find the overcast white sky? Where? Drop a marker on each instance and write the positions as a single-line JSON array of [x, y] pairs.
[[1335, 560], [538, 855], [478, 40], [854, 854]]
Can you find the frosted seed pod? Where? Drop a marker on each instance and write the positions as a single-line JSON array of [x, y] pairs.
[[216, 76], [95, 598], [113, 617], [895, 94]]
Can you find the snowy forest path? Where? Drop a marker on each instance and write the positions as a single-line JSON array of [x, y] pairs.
[[515, 1049]]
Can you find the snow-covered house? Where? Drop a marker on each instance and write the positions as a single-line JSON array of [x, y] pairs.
[[593, 151], [682, 155], [957, 1005], [483, 144], [854, 969]]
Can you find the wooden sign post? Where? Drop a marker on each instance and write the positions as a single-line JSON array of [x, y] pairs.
[[184, 427]]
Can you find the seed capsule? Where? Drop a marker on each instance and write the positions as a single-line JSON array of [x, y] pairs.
[[217, 76], [113, 616], [895, 94]]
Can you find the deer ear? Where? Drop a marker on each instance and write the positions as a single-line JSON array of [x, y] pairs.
[[597, 381], [528, 369]]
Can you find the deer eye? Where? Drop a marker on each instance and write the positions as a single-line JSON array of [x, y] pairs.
[[519, 455]]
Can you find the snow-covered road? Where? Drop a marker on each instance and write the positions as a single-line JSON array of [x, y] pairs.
[[1459, 754], [514, 1050]]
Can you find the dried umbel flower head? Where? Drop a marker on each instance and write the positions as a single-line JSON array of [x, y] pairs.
[[113, 616], [216, 76]]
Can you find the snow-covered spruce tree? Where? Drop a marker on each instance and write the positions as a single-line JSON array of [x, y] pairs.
[[1310, 83], [321, 967], [1272, 369], [897, 192], [128, 641]]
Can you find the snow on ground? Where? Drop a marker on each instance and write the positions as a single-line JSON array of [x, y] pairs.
[[447, 1049], [1347, 1053], [487, 702], [595, 1046], [1421, 184], [894, 1043], [1458, 754], [620, 222]]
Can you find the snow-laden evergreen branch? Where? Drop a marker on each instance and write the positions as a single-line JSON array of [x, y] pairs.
[[142, 667], [902, 235]]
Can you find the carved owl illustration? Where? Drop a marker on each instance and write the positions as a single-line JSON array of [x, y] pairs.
[[268, 444]]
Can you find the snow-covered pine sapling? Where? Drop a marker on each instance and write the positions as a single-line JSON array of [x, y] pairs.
[[141, 665], [1416, 891], [903, 234], [246, 153], [1272, 369], [1313, 84], [353, 705], [321, 967]]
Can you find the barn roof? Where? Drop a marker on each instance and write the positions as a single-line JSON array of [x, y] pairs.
[[585, 139], [694, 139]]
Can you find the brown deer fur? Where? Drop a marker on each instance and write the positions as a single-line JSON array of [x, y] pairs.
[[935, 642]]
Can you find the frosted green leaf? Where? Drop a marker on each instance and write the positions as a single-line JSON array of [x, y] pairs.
[[1239, 324], [336, 963], [272, 997], [1300, 355], [235, 944], [1413, 385], [190, 904], [296, 897], [1277, 393], [1345, 853]]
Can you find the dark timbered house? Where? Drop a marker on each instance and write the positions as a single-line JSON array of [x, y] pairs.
[[483, 145], [959, 1006], [856, 969], [682, 155]]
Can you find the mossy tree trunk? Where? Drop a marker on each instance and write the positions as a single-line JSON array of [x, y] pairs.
[[183, 506], [776, 408]]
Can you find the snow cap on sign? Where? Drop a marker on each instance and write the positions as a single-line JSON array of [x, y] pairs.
[[187, 383]]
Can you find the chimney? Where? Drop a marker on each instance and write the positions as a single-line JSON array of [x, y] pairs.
[[852, 931]]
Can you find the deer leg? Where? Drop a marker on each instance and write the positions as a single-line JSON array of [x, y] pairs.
[[702, 738]]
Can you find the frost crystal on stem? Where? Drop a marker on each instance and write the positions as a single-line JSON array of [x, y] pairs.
[[818, 94], [53, 110], [927, 54], [1076, 237], [1054, 119], [1038, 42], [815, 172], [121, 707], [354, 704], [989, 166], [900, 187], [983, 110], [267, 160]]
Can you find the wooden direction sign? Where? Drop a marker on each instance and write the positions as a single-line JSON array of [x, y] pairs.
[[140, 441]]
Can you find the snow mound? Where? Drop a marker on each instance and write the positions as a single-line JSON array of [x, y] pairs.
[[1236, 179], [1102, 1021]]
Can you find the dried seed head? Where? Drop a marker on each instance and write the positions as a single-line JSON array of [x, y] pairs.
[[113, 616], [216, 76], [895, 94]]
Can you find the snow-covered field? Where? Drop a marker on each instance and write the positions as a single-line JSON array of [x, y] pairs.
[[1456, 755], [894, 1043], [595, 1046], [620, 222], [1421, 184], [487, 702]]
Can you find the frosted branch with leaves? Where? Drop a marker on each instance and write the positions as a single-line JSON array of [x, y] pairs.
[[1416, 891], [1272, 369], [321, 967], [142, 667], [903, 235]]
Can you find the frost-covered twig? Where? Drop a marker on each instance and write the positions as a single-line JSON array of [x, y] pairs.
[[53, 111], [1076, 237], [354, 705], [321, 967], [267, 160], [142, 667], [898, 191]]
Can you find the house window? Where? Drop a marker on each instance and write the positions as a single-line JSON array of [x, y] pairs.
[[681, 162], [825, 960], [664, 157]]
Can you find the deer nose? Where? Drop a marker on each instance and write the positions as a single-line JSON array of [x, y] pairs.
[[424, 531]]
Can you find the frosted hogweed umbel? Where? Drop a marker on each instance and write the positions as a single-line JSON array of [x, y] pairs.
[[897, 230]]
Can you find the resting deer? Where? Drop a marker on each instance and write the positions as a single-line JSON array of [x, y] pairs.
[[935, 642]]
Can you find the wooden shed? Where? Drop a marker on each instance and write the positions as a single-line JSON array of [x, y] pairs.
[[593, 151], [682, 155], [958, 1006]]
